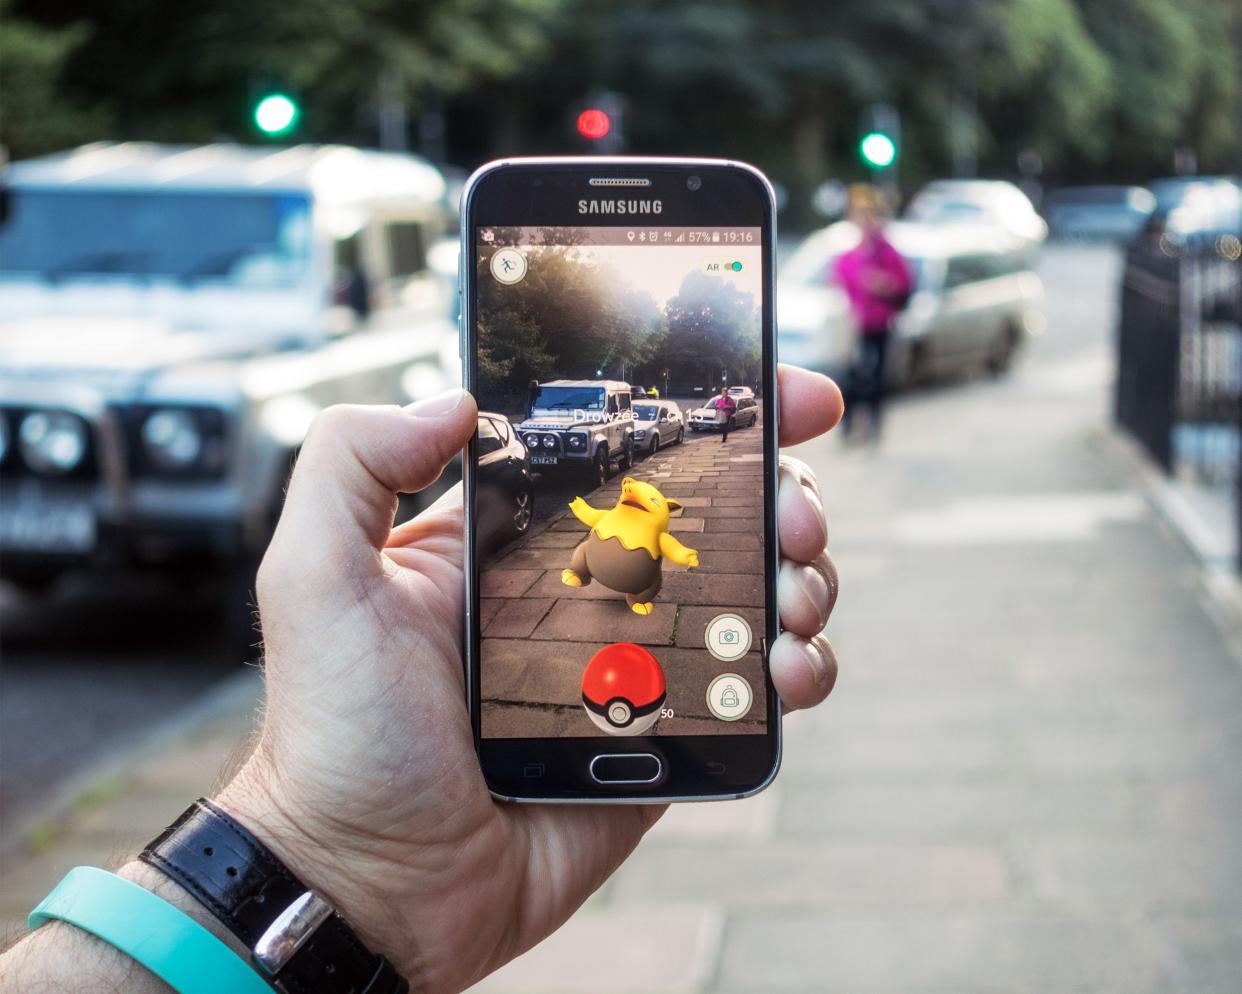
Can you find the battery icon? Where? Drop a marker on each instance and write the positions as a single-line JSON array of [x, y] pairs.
[[715, 236]]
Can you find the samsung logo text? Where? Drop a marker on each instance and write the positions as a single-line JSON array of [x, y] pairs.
[[620, 206]]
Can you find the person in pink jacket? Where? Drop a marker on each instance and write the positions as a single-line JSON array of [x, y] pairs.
[[876, 279]]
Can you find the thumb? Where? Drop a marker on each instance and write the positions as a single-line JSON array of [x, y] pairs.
[[343, 493]]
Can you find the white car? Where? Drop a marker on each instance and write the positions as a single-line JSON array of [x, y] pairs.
[[981, 201], [738, 392], [745, 415], [657, 423], [816, 329], [975, 301], [172, 318]]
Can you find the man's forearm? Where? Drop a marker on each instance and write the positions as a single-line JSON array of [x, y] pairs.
[[62, 959]]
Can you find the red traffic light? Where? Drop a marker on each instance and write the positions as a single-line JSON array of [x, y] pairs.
[[593, 123]]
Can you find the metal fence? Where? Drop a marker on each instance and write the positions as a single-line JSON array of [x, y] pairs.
[[1179, 370]]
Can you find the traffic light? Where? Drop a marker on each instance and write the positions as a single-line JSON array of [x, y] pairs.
[[880, 144], [600, 122], [594, 123], [276, 114], [877, 150]]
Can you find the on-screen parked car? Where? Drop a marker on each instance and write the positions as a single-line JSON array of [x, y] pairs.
[[744, 415], [506, 489], [172, 318], [582, 426], [657, 423], [1098, 213]]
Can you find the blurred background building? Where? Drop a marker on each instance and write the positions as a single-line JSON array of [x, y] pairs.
[[217, 218]]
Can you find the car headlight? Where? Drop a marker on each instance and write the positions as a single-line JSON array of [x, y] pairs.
[[531, 440], [172, 439], [576, 441], [52, 442], [640, 433], [549, 441]]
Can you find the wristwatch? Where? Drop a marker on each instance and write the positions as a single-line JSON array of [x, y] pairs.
[[297, 940]]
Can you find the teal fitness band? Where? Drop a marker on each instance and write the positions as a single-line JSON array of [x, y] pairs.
[[149, 930]]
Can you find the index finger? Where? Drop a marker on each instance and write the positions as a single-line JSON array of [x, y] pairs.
[[811, 404]]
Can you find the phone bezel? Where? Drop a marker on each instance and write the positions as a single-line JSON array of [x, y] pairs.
[[532, 191]]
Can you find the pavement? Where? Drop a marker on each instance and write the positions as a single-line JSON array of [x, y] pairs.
[[538, 634], [1026, 779]]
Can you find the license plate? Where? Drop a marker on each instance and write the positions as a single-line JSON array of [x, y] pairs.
[[47, 527], [543, 460]]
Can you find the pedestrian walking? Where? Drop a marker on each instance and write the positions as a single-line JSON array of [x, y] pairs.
[[725, 406], [876, 279], [532, 398]]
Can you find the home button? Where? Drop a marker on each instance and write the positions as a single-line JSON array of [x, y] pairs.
[[626, 768]]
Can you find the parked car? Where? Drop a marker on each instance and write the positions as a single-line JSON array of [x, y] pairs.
[[506, 489], [657, 424], [741, 392], [744, 415], [981, 201], [583, 425], [975, 300], [1199, 209], [1098, 213], [172, 318], [816, 329]]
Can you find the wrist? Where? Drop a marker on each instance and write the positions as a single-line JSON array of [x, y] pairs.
[[325, 860]]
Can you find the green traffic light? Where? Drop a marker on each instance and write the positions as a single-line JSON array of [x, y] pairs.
[[275, 114], [877, 150]]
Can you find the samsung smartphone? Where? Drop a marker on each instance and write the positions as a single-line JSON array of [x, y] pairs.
[[621, 549]]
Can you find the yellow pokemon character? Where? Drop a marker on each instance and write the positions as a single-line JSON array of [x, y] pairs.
[[626, 544]]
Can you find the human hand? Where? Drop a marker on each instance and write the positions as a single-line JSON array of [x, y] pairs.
[[365, 779]]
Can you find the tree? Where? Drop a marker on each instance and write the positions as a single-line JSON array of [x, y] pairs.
[[189, 72], [566, 319], [712, 326], [31, 59]]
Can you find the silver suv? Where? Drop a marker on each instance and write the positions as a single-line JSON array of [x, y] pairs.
[[585, 425], [173, 318]]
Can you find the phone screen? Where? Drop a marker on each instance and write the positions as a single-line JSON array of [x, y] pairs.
[[620, 481]]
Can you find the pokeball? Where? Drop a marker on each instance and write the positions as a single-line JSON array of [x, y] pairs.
[[623, 689]]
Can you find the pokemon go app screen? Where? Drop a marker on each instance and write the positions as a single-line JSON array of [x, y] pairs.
[[619, 484]]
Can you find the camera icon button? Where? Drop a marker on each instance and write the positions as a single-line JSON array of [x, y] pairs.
[[727, 637]]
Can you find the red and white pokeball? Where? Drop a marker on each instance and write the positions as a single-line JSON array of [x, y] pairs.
[[623, 689]]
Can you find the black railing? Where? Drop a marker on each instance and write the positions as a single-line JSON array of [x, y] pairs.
[[1179, 364]]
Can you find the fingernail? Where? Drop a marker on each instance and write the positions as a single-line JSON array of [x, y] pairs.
[[821, 672], [803, 581], [437, 406]]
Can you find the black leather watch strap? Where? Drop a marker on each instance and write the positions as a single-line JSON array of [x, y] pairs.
[[299, 944]]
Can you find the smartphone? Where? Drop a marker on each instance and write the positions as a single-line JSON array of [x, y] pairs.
[[621, 548]]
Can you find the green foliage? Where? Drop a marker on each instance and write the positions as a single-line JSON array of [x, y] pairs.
[[567, 318], [189, 72], [1099, 88], [34, 115], [712, 326]]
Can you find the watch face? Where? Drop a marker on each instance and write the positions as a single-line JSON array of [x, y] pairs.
[[621, 484]]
